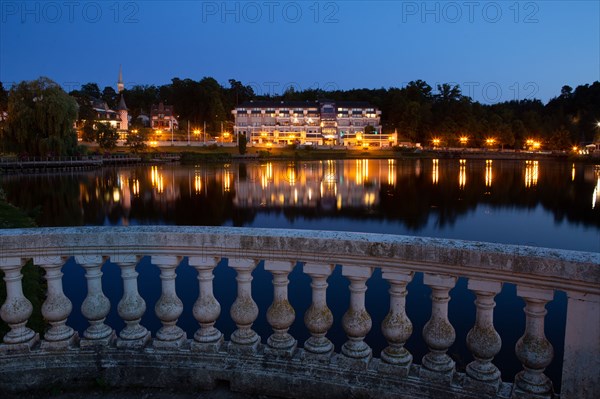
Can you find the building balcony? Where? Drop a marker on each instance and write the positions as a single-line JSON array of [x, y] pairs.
[[116, 345]]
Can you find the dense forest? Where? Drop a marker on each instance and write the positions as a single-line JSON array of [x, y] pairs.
[[417, 111]]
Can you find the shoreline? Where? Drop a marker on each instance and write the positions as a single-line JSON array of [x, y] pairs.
[[186, 156]]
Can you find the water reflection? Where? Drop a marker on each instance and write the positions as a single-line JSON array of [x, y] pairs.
[[531, 173], [462, 174], [415, 193], [489, 173]]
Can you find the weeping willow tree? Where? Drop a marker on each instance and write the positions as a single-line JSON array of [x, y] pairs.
[[40, 119]]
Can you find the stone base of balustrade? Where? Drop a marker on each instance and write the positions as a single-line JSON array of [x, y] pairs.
[[20, 347], [353, 363], [439, 376], [102, 342], [280, 353], [394, 369], [78, 370], [71, 343], [247, 349], [488, 387], [207, 347], [325, 357], [134, 344], [518, 393], [180, 343]]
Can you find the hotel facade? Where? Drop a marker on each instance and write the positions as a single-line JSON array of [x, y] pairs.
[[323, 122]]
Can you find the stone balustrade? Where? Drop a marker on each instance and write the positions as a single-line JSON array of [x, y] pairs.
[[280, 364]]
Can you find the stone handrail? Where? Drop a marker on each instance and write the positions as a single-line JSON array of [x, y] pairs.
[[314, 369]]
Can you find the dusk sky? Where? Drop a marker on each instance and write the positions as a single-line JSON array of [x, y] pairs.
[[495, 50]]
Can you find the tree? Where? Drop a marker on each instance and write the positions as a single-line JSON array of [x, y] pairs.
[[106, 136], [136, 139], [40, 119], [91, 90], [109, 96]]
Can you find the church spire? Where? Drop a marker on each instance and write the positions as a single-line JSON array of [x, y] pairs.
[[120, 85]]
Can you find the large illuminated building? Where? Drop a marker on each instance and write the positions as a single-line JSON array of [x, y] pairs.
[[322, 122]]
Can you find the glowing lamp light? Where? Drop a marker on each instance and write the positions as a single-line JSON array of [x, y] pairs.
[[436, 142], [490, 141], [463, 140]]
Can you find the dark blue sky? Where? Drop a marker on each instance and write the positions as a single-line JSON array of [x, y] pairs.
[[495, 50]]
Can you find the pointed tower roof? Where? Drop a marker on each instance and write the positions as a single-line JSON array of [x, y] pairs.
[[122, 105], [120, 85]]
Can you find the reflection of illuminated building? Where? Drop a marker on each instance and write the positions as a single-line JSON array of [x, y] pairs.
[[462, 173], [531, 173], [435, 173], [328, 184], [489, 173]]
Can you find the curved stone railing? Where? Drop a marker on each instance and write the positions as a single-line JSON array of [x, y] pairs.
[[279, 365]]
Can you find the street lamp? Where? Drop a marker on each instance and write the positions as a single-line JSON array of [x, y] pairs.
[[436, 142], [463, 140]]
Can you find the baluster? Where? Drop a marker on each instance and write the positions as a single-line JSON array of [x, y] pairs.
[[318, 318], [357, 321], [57, 307], [244, 310], [16, 310], [482, 340], [533, 350], [169, 307], [397, 327], [280, 314], [96, 305], [206, 309], [438, 333], [132, 306]]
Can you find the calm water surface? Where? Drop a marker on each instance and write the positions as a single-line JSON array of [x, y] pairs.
[[540, 203]]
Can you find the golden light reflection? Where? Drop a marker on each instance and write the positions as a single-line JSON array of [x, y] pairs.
[[369, 199], [462, 173], [531, 173], [358, 178], [197, 183], [135, 187], [573, 173], [489, 173], [156, 179], [330, 173], [596, 193], [435, 174], [392, 172], [227, 180], [291, 174], [116, 195]]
